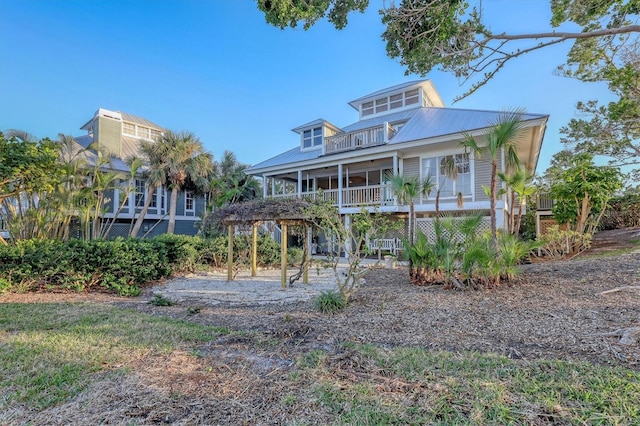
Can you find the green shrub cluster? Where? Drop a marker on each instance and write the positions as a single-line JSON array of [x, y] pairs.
[[119, 265], [460, 257]]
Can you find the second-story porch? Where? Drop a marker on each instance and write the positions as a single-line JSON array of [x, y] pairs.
[[364, 183]]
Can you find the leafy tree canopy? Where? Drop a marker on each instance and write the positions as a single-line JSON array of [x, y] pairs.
[[581, 190], [26, 165], [451, 34]]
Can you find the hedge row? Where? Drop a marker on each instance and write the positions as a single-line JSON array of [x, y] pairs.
[[120, 265]]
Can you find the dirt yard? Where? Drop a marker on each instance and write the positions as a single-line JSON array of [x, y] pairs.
[[558, 310]]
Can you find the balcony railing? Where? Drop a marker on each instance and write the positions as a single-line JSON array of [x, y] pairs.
[[372, 195], [359, 139], [544, 202]]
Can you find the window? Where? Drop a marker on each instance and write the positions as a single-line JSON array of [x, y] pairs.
[[129, 129], [139, 193], [396, 101], [367, 108], [411, 97], [154, 199], [381, 104], [312, 137], [437, 167], [399, 100], [155, 134], [189, 201]]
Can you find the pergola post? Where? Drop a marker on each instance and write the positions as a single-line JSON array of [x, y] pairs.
[[283, 256], [230, 229], [254, 251], [306, 253]]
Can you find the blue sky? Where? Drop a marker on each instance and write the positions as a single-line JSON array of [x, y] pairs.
[[216, 68]]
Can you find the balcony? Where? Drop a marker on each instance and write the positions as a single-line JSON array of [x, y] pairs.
[[359, 196], [373, 136]]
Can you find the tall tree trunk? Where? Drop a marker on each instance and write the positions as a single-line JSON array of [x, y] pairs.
[[172, 210], [143, 212], [512, 209], [494, 184]]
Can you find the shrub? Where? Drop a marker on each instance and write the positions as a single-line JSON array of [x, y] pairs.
[[294, 256], [160, 300], [557, 243], [329, 302]]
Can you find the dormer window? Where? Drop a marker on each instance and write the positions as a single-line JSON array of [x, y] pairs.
[[312, 137], [391, 102]]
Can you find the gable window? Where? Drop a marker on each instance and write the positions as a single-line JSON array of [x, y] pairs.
[[189, 201], [312, 137], [437, 168]]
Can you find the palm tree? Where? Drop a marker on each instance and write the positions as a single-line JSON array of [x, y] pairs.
[[154, 174], [519, 183], [407, 189], [179, 160], [230, 183], [503, 136]]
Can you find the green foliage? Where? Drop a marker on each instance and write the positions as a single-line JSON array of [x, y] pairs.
[[350, 238], [294, 256], [230, 184], [459, 257], [119, 265], [623, 211], [160, 300], [329, 302], [557, 243], [582, 191], [451, 35]]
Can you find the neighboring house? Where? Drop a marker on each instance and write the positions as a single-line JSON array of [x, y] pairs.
[[120, 133], [405, 130]]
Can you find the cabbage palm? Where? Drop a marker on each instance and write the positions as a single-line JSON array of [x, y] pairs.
[[503, 136], [179, 160], [230, 183], [407, 189], [520, 185]]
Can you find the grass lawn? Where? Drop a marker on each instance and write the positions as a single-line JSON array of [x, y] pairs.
[[50, 353]]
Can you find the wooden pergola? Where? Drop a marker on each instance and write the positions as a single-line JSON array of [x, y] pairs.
[[285, 213]]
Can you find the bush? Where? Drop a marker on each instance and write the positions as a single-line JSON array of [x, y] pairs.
[[120, 265], [557, 243], [294, 256], [329, 302]]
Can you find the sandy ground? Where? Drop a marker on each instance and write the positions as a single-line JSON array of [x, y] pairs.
[[213, 288]]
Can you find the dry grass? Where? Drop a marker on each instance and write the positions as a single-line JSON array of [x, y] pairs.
[[531, 353]]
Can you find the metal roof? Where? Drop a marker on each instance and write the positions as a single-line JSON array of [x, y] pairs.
[[139, 120], [429, 122], [420, 124], [292, 156]]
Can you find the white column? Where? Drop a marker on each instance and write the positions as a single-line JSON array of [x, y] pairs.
[[265, 182], [395, 164], [299, 183], [339, 185]]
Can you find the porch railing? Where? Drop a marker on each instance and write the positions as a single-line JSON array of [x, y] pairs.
[[359, 139], [371, 195]]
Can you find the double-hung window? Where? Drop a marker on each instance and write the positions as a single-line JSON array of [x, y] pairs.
[[189, 201], [139, 193], [451, 174]]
